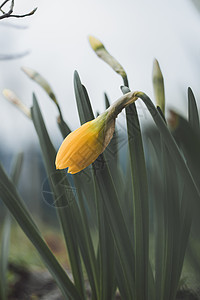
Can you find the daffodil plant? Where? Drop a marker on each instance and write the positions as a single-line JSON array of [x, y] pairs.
[[114, 255]]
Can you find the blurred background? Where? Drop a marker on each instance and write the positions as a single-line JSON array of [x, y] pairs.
[[56, 42]]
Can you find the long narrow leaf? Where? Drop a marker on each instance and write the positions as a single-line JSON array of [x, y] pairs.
[[171, 144], [190, 188], [12, 200], [109, 196], [5, 242], [155, 182], [15, 174], [83, 231], [140, 202], [106, 244], [63, 196], [85, 110], [172, 224], [193, 115]]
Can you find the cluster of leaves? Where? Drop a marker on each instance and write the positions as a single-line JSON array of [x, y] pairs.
[[118, 204]]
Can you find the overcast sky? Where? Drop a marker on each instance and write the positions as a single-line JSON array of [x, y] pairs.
[[134, 31]]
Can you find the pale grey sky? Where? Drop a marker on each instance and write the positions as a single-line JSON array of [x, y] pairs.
[[134, 31]]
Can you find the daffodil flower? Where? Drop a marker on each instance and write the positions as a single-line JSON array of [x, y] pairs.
[[82, 146]]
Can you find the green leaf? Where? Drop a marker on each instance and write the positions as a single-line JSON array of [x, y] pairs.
[[64, 198], [13, 202], [171, 145], [85, 240], [5, 243], [156, 184], [107, 102], [193, 115], [16, 168], [167, 215], [83, 102], [186, 215], [64, 128], [188, 140], [172, 224], [190, 188], [106, 247], [15, 174], [111, 156], [114, 215], [111, 213], [112, 151], [106, 243], [84, 186], [140, 203]]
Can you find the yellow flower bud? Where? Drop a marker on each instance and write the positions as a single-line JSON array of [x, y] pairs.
[[41, 81], [82, 146], [95, 43], [101, 51], [158, 85]]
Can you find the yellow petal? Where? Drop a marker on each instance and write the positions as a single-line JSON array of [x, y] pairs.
[[80, 148]]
